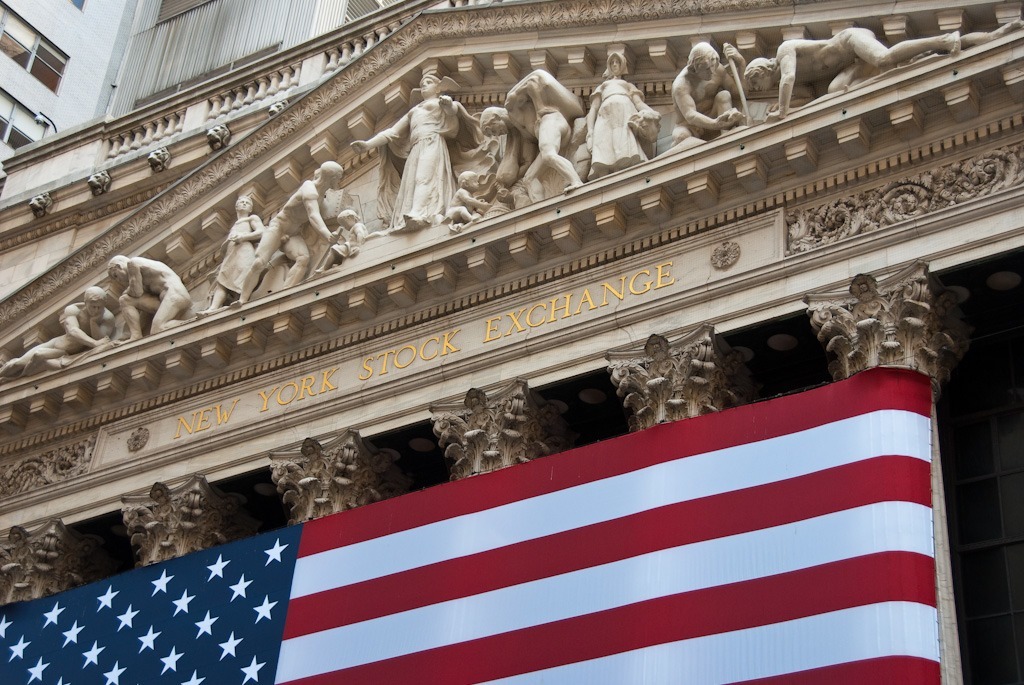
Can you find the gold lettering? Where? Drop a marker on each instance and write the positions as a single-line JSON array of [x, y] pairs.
[[411, 348], [224, 416], [204, 420], [448, 337], [265, 396], [307, 386], [543, 307], [325, 383], [187, 425], [384, 365], [662, 274], [437, 341], [620, 293], [516, 326], [565, 309], [632, 282], [492, 327], [586, 298], [280, 395], [369, 369]]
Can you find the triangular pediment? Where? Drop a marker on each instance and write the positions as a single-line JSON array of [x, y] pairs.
[[834, 146]]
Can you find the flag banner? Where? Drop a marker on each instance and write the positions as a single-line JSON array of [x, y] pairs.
[[788, 541]]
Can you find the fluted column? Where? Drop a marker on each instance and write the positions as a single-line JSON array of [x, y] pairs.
[[906, 320], [491, 430], [48, 560], [666, 381], [170, 522], [344, 473]]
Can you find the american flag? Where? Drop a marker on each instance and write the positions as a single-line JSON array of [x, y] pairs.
[[788, 541]]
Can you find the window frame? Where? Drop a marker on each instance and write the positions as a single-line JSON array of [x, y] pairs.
[[9, 119], [33, 50]]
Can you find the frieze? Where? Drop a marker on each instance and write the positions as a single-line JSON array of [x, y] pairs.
[[907, 198], [53, 466]]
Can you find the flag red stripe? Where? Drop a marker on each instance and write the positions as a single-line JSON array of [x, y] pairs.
[[884, 577], [869, 391], [892, 670], [875, 480]]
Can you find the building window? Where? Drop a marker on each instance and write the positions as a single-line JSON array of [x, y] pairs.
[[24, 45], [17, 123], [78, 3]]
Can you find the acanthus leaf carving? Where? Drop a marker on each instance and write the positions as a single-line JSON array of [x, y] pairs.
[[345, 473], [53, 466], [488, 431], [667, 381]]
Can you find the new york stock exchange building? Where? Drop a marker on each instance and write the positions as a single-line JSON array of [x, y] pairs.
[[538, 341]]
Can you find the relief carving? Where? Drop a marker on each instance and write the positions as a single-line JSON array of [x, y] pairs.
[[99, 182], [49, 560], [171, 522], [218, 136], [511, 425], [54, 466], [159, 159], [697, 374], [907, 319], [40, 205], [345, 473], [906, 198]]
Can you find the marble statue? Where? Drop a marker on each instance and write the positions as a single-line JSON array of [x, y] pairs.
[[620, 124], [88, 325], [151, 287], [423, 154], [471, 201], [515, 157], [239, 254], [847, 59], [284, 231], [703, 94], [350, 236], [544, 111]]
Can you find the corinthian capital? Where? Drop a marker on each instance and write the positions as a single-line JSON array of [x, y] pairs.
[[48, 560], [666, 381], [488, 431], [170, 522], [345, 473], [907, 319]]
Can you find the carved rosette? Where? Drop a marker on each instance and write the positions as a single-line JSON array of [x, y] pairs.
[[345, 473], [907, 319], [48, 560], [171, 522], [488, 431], [697, 374]]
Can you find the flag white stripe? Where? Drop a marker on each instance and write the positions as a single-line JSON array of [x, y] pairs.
[[842, 442], [855, 634], [886, 526]]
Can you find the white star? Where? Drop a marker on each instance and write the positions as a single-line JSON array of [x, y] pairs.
[[274, 553], [4, 625], [18, 650], [93, 655], [113, 676], [252, 671], [263, 610], [148, 640], [194, 680], [182, 602], [239, 587], [60, 681], [229, 646], [72, 635], [160, 584], [171, 661], [52, 614], [37, 671], [206, 625], [107, 598], [126, 618], [218, 568]]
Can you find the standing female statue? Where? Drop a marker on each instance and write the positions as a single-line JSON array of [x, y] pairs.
[[423, 154], [239, 254], [619, 123]]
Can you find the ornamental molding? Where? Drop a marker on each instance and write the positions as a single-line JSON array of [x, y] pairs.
[[48, 560], [170, 522], [666, 381], [346, 472], [492, 430], [907, 319], [907, 198], [54, 466]]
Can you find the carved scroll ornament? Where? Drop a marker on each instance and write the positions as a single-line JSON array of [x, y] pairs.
[[54, 466]]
